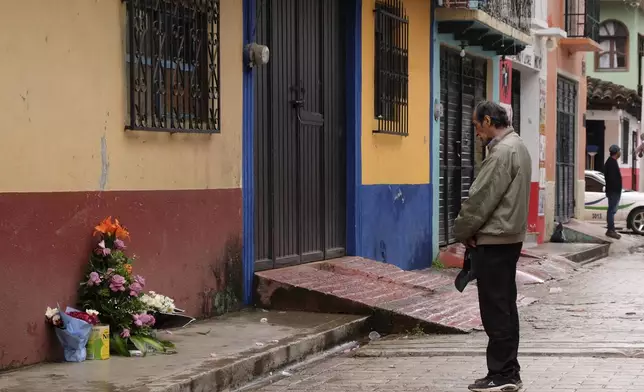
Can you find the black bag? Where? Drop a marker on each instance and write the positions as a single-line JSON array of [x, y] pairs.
[[558, 236], [467, 274]]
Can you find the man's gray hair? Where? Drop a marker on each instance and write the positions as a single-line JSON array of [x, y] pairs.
[[498, 115]]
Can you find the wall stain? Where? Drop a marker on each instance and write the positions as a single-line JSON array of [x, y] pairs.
[[228, 273], [105, 164]]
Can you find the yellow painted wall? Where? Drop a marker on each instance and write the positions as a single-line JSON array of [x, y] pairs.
[[389, 159], [63, 105]]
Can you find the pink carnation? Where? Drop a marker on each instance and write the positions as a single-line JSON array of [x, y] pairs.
[[135, 289], [119, 244], [94, 279], [143, 319], [140, 280], [102, 249], [117, 283]]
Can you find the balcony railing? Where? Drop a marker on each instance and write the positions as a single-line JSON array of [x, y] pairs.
[[516, 13], [582, 19]]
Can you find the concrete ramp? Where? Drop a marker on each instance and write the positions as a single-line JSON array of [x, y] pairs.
[[400, 300]]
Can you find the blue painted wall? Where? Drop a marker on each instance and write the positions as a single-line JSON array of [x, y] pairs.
[[397, 224], [248, 176], [435, 133]]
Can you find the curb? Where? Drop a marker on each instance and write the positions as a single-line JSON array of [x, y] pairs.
[[575, 353], [589, 255], [232, 372]]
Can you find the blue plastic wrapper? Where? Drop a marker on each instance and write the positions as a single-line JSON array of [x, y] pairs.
[[74, 336]]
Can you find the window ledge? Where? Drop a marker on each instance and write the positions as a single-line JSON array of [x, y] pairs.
[[174, 130], [611, 69], [580, 44]]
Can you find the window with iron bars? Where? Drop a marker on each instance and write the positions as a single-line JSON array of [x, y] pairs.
[[173, 65], [391, 67]]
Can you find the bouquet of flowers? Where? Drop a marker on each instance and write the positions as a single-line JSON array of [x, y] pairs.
[[111, 287], [73, 328], [158, 303], [164, 311]]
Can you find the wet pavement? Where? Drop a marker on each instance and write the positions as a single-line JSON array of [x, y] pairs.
[[584, 333]]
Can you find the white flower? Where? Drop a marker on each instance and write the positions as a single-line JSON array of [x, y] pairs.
[[158, 302], [50, 313], [92, 312]]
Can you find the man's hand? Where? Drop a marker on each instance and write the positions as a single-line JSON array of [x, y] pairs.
[[471, 243]]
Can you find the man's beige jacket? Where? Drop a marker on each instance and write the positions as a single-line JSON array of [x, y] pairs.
[[496, 211]]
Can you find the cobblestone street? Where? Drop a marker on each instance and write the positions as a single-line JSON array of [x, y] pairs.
[[600, 308]]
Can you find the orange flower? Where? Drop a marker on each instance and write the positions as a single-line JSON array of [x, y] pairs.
[[105, 227], [128, 268], [120, 231]]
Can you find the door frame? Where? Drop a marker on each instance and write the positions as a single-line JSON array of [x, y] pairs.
[[353, 64], [576, 83], [446, 48]]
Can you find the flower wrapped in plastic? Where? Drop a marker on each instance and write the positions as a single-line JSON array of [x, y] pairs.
[[73, 330]]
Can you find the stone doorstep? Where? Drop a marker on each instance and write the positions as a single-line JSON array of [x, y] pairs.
[[399, 300], [247, 366], [452, 256]]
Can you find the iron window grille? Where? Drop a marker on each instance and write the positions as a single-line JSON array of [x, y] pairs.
[[582, 19], [173, 65], [391, 67], [626, 138]]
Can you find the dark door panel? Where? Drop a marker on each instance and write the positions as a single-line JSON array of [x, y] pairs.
[[300, 134]]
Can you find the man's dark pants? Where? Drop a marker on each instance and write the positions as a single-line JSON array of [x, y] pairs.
[[496, 268], [613, 202]]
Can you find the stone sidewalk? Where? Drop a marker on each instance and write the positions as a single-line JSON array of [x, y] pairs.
[[447, 374], [584, 334], [212, 355]]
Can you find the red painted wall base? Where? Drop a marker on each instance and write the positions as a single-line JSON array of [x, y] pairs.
[[181, 240], [536, 223]]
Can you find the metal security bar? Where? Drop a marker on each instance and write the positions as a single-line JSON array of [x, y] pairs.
[[516, 13], [582, 19], [391, 67], [173, 65]]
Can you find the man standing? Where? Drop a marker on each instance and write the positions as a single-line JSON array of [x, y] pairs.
[[613, 189], [492, 224]]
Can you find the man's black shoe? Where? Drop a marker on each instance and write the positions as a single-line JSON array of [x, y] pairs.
[[495, 385]]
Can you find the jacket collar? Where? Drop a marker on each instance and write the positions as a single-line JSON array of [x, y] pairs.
[[497, 139]]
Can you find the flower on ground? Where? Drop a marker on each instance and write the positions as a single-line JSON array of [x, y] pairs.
[[92, 312], [117, 283], [49, 313], [102, 249], [135, 289], [119, 244], [125, 333], [90, 319], [94, 279], [53, 316], [143, 319], [158, 302]]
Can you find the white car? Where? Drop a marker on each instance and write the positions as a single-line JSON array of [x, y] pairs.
[[629, 211]]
